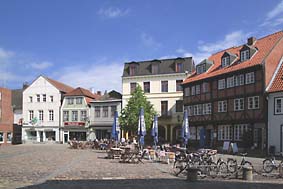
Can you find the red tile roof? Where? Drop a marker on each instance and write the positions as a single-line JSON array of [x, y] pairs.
[[82, 92], [277, 83], [264, 46], [60, 86]]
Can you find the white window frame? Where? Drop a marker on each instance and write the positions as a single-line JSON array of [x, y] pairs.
[[83, 115], [75, 116], [38, 98], [193, 90], [187, 91], [2, 141], [245, 55], [253, 102], [197, 89], [65, 115], [225, 132], [70, 101], [239, 130], [221, 84], [40, 115], [250, 78], [51, 115], [278, 108], [44, 98], [30, 99], [51, 98], [239, 104], [222, 106], [11, 139], [31, 114], [239, 80], [230, 82], [225, 61], [79, 100]]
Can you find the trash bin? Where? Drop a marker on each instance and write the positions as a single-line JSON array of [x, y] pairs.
[[272, 150]]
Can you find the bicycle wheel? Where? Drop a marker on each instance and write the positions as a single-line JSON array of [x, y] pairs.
[[268, 165], [178, 167], [223, 169], [232, 165]]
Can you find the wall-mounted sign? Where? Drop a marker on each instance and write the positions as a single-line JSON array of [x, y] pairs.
[[74, 123]]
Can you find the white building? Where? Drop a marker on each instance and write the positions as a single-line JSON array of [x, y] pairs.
[[161, 81], [275, 111], [41, 109]]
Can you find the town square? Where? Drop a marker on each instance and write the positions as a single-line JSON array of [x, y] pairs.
[[133, 94]]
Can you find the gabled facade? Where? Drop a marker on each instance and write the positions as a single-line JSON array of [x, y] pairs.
[[228, 101], [41, 110], [75, 114], [275, 111], [161, 81]]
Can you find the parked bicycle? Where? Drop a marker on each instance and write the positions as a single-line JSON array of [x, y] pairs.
[[269, 164], [232, 164]]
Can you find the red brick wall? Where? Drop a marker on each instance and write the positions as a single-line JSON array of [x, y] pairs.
[[7, 116], [272, 61]]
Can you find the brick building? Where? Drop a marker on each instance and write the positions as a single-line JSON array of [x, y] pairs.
[[6, 116]]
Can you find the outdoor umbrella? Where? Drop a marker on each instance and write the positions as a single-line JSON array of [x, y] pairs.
[[154, 130], [115, 128], [141, 128], [185, 128]]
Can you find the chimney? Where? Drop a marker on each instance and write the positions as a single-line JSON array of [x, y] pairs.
[[25, 85], [251, 40], [98, 93]]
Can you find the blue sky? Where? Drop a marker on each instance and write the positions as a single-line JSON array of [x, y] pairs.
[[85, 43]]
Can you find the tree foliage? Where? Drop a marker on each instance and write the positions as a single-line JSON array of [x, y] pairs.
[[129, 117]]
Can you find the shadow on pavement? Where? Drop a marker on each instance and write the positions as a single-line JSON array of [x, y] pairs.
[[107, 183]]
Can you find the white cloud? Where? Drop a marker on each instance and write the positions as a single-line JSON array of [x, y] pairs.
[[274, 17], [206, 49], [41, 65], [112, 12], [5, 54], [100, 75], [149, 41]]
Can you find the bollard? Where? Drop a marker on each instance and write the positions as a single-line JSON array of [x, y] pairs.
[[248, 173], [280, 170], [192, 174]]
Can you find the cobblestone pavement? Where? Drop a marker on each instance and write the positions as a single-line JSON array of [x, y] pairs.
[[56, 166]]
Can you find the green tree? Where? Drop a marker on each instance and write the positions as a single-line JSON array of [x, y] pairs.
[[129, 117]]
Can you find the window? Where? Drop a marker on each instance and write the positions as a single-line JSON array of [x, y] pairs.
[[113, 109], [44, 97], [154, 68], [74, 115], [79, 100], [205, 87], [38, 98], [133, 70], [179, 106], [40, 115], [146, 87], [97, 111], [253, 102], [31, 115], [250, 78], [200, 68], [221, 84], [65, 115], [190, 110], [70, 101], [195, 107], [225, 61], [164, 86], [239, 130], [51, 115], [197, 89], [179, 67], [187, 91], [199, 109], [239, 104], [164, 108], [30, 99], [278, 106], [225, 132], [207, 109], [51, 99], [179, 85], [239, 80], [9, 137], [133, 87], [222, 106], [1, 137], [230, 82], [83, 115], [105, 111], [245, 55], [193, 90]]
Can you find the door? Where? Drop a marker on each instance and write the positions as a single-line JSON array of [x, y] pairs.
[[281, 138], [66, 138], [41, 136], [208, 138]]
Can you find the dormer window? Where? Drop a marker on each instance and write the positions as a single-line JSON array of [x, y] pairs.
[[200, 68], [179, 67], [245, 55], [133, 70], [225, 61]]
